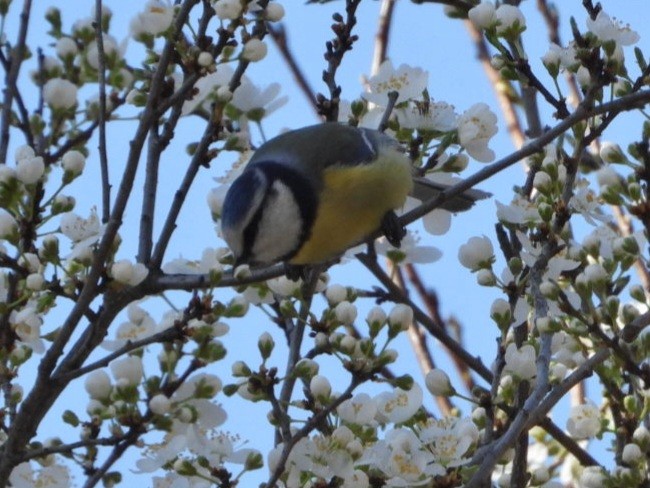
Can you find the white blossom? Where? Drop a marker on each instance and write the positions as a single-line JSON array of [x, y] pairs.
[[476, 126], [486, 277], [8, 224], [409, 82], [376, 315], [66, 47], [35, 281], [156, 19], [73, 162], [632, 453], [520, 211], [52, 476], [401, 315], [345, 312], [284, 287], [610, 152], [509, 20], [215, 199], [398, 405], [521, 361], [476, 253], [402, 458], [208, 85], [127, 371], [595, 273], [249, 98], [360, 410], [30, 170], [542, 181], [60, 94], [24, 152], [132, 274], [584, 421], [607, 29], [483, 15], [27, 325], [84, 233], [227, 9], [449, 440], [592, 477], [111, 50], [641, 435], [98, 384], [410, 250], [336, 294], [433, 116], [320, 387], [139, 325]]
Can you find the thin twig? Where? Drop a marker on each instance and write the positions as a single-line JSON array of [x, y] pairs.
[[24, 124], [296, 337], [16, 59], [390, 105], [154, 151], [168, 335], [382, 37], [103, 156], [279, 35], [335, 50]]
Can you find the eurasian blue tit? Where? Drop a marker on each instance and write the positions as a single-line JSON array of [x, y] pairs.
[[307, 195]]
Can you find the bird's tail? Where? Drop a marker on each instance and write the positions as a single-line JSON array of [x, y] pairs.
[[425, 189]]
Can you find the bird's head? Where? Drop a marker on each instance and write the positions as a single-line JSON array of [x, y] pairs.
[[267, 213]]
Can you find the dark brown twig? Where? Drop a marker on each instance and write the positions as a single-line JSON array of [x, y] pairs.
[[279, 35], [103, 157]]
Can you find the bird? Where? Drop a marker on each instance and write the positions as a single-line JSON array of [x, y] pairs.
[[307, 195]]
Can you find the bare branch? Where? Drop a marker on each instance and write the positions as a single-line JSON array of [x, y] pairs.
[[103, 157], [382, 36], [279, 35]]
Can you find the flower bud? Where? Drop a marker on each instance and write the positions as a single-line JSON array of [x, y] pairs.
[[265, 344], [438, 383], [160, 404], [254, 50], [320, 388]]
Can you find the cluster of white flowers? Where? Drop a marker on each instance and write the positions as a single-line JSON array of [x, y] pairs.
[[506, 20], [60, 93], [84, 233], [405, 456], [153, 21], [52, 476], [29, 167], [475, 127]]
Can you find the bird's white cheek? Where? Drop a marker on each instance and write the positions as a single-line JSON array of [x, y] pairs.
[[280, 226]]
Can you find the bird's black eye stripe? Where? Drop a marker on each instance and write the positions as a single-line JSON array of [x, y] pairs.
[[304, 195]]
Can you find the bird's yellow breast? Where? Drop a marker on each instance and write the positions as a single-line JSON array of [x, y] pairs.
[[352, 204]]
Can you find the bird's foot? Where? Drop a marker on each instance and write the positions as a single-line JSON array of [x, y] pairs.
[[392, 229]]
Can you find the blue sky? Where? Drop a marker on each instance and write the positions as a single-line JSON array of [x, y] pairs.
[[421, 36]]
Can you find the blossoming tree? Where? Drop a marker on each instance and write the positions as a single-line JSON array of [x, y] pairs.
[[90, 293]]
